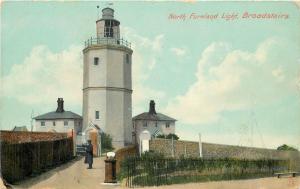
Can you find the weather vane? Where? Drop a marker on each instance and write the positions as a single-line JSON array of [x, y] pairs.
[[109, 4]]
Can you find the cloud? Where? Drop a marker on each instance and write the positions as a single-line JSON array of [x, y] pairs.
[[178, 51], [155, 44], [231, 80], [145, 54], [278, 73], [45, 75]]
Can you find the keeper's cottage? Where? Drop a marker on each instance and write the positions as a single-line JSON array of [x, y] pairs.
[[107, 81], [59, 121], [153, 122]]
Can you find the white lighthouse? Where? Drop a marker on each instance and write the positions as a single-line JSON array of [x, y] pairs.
[[107, 81]]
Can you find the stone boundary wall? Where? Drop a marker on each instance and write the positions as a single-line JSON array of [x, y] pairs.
[[13, 137], [191, 149], [122, 153]]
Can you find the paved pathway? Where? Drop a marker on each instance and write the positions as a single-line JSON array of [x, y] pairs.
[[71, 175], [74, 175]]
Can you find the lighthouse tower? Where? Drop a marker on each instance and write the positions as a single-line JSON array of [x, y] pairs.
[[107, 81]]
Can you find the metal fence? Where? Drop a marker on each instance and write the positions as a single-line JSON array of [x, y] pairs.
[[107, 41], [21, 160], [155, 172]]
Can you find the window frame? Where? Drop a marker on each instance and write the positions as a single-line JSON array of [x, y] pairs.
[[66, 122], [97, 111], [167, 125], [96, 61], [43, 123]]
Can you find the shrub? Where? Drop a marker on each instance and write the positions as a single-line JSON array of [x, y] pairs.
[[106, 142], [286, 148], [169, 136]]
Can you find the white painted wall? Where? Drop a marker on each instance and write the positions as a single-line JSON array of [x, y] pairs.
[[107, 89], [151, 127], [59, 125]]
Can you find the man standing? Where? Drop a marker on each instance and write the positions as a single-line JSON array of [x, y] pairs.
[[89, 154]]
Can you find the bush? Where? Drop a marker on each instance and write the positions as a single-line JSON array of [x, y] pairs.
[[286, 148], [106, 142], [151, 169], [169, 136], [161, 136], [152, 155]]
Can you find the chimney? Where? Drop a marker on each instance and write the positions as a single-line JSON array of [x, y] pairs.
[[152, 107], [60, 105]]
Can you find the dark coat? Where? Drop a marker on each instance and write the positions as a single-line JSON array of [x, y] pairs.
[[89, 154]]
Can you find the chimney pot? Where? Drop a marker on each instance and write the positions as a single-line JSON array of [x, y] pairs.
[[152, 107], [60, 105]]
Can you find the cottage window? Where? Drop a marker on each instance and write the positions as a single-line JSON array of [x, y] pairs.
[[96, 61], [66, 123], [156, 124], [53, 123], [145, 124], [42, 123], [167, 125], [97, 115]]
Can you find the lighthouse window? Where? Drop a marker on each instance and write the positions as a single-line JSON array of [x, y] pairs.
[[96, 60], [108, 28], [97, 115], [108, 32]]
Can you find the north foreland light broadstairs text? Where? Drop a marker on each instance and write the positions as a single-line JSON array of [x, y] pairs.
[[228, 16]]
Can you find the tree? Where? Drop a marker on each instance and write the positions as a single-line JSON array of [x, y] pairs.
[[106, 142], [286, 148]]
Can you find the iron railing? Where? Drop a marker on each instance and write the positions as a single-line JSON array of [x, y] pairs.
[[155, 172], [107, 41]]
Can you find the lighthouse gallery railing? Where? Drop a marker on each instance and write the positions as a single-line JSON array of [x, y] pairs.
[[106, 41]]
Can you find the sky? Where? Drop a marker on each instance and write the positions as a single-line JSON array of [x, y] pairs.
[[236, 80]]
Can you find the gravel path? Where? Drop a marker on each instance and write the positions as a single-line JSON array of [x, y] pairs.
[[75, 175]]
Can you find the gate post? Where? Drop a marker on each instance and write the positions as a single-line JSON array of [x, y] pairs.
[[110, 168]]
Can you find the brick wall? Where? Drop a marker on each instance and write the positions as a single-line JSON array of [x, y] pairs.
[[24, 136], [187, 148], [209, 150], [122, 153], [94, 140]]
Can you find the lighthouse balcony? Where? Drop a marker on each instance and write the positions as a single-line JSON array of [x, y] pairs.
[[107, 41]]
